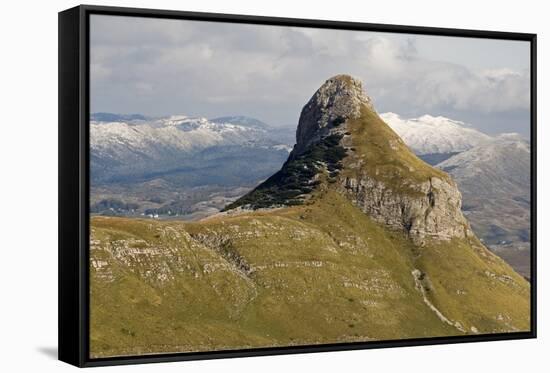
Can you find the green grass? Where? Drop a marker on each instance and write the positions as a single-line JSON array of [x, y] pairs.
[[381, 153], [319, 273]]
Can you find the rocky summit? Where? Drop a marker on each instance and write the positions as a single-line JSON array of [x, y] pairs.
[[375, 170], [339, 99], [353, 239]]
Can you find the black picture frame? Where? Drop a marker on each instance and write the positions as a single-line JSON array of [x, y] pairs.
[[74, 206]]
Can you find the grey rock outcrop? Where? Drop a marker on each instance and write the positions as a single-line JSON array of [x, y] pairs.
[[432, 212], [337, 100]]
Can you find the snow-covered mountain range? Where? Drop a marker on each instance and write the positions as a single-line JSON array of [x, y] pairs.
[[502, 163], [435, 135], [179, 165], [130, 146]]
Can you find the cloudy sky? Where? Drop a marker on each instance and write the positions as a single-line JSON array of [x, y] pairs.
[[162, 67]]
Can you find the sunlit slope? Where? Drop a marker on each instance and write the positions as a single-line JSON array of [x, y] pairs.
[[322, 272]]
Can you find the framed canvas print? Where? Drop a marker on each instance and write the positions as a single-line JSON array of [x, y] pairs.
[[237, 186]]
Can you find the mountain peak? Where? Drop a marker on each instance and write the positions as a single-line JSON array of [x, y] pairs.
[[340, 98], [344, 145], [428, 134]]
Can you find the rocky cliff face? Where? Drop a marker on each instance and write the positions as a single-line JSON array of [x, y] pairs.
[[409, 195], [378, 172], [434, 212], [337, 100]]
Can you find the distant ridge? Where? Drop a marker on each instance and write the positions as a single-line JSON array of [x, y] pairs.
[[110, 117], [241, 120], [430, 135]]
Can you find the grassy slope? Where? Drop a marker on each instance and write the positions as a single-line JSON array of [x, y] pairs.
[[319, 273], [381, 153], [322, 272]]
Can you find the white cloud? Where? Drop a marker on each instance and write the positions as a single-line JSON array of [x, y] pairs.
[[156, 66]]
